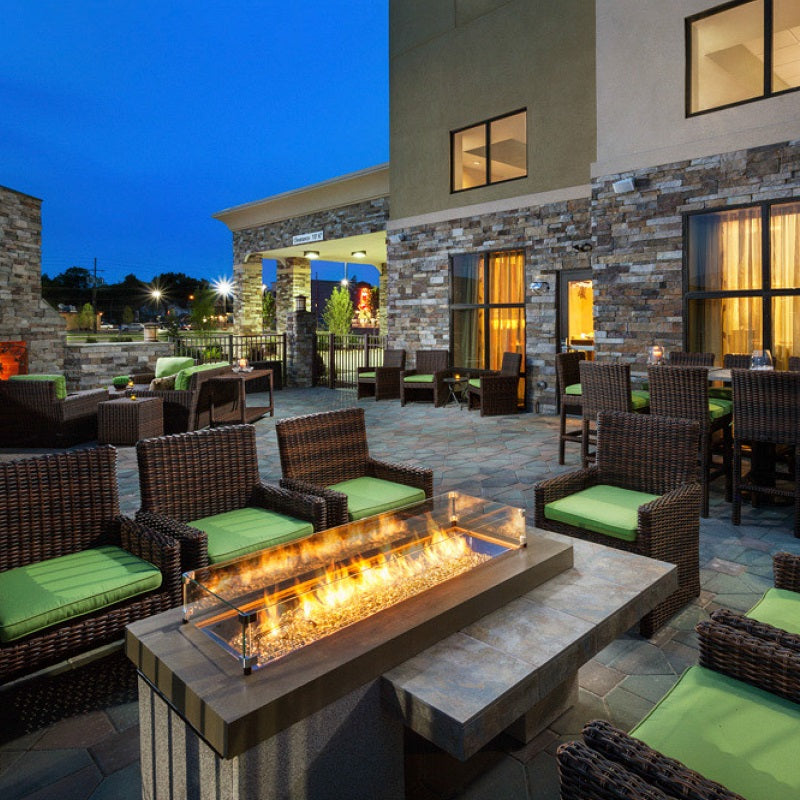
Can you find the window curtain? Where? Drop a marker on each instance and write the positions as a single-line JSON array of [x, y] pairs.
[[507, 325], [785, 274]]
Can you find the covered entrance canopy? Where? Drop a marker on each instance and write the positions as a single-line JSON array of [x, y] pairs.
[[336, 220]]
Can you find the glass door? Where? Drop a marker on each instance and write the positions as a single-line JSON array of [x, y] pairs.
[[576, 312]]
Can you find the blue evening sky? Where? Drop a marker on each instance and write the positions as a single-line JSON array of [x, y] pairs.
[[135, 121]]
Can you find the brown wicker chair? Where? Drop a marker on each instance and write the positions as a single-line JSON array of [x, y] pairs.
[[426, 380], [656, 455], [794, 363], [568, 375], [61, 504], [497, 392], [605, 387], [382, 383], [680, 358], [320, 450], [682, 392], [199, 474], [32, 416], [736, 361], [766, 413]]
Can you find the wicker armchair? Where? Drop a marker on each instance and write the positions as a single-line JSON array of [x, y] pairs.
[[794, 364], [182, 412], [736, 361], [654, 455], [187, 478], [682, 392], [32, 416], [426, 380], [382, 383], [66, 504], [766, 413], [568, 387], [680, 358], [496, 393], [320, 452]]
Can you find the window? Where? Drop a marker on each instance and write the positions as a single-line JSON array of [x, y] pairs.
[[742, 284], [487, 311], [489, 152], [742, 51]]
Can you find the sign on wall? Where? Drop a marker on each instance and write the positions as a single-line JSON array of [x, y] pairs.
[[305, 238]]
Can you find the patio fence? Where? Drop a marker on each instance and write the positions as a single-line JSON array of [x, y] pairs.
[[339, 357], [232, 347]]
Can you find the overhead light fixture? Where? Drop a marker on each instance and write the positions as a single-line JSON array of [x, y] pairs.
[[312, 254], [359, 254]]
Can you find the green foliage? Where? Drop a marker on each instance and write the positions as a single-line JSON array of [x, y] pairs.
[[202, 313], [86, 317], [268, 311], [212, 352], [338, 313], [172, 327], [120, 381], [127, 315]]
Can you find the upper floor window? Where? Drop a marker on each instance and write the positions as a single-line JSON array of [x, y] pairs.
[[742, 51], [490, 152]]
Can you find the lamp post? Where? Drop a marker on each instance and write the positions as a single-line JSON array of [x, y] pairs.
[[157, 294], [224, 288]]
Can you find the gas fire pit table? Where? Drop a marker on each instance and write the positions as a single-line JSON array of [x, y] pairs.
[[458, 658]]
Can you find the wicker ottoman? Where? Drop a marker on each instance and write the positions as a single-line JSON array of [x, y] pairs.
[[125, 421]]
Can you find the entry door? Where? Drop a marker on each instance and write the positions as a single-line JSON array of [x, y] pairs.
[[576, 311]]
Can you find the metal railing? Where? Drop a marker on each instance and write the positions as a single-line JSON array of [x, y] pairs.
[[339, 357], [205, 347]]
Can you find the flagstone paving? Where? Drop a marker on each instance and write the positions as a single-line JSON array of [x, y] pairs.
[[96, 755]]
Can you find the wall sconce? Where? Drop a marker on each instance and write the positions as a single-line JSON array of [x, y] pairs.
[[300, 302], [359, 254], [311, 254], [623, 185], [539, 287], [585, 247]]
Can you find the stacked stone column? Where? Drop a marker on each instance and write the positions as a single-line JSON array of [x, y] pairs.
[[247, 298], [301, 347], [293, 278]]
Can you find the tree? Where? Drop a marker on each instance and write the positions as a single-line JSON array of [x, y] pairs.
[[127, 315], [268, 311], [202, 313], [338, 313], [86, 317]]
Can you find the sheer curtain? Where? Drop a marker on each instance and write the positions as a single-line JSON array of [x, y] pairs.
[[785, 274], [507, 325]]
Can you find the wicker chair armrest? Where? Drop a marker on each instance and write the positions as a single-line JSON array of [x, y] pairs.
[[83, 403], [193, 542], [387, 372], [181, 397], [761, 630], [787, 571], [758, 657], [335, 502], [672, 512], [142, 377], [294, 504], [657, 770], [157, 547], [407, 474]]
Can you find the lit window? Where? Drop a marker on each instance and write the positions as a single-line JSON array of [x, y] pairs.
[[489, 152], [742, 52]]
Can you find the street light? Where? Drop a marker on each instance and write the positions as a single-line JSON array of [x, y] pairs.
[[224, 288], [157, 294]]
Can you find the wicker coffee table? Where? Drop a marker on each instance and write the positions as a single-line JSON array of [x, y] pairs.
[[125, 421]]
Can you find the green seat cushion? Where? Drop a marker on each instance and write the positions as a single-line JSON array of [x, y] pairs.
[[475, 382], [183, 377], [171, 365], [721, 392], [780, 608], [245, 530], [48, 592], [59, 380], [368, 496], [640, 399], [573, 388], [717, 407], [730, 732], [603, 509], [418, 378], [366, 375]]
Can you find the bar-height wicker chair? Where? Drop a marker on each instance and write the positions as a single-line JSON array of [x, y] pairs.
[[766, 412], [327, 455], [73, 571], [794, 363], [426, 380], [641, 495], [496, 392], [203, 488], [568, 387], [382, 383], [736, 361], [605, 387], [680, 358], [682, 392]]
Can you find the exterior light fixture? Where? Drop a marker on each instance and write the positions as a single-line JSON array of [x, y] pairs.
[[311, 254], [539, 287], [300, 303], [359, 254]]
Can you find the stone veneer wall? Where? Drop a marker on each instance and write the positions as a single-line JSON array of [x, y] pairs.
[[24, 315], [418, 285], [91, 366]]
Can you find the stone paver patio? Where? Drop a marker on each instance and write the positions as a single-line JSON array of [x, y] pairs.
[[96, 755]]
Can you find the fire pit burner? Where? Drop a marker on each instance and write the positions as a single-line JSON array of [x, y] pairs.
[[261, 607]]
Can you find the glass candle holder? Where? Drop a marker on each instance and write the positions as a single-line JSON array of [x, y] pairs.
[[655, 355], [761, 360]]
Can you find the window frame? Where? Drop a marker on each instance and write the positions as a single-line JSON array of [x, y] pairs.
[[487, 134], [766, 82], [766, 293]]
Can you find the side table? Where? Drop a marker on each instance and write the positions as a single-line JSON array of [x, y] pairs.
[[125, 421]]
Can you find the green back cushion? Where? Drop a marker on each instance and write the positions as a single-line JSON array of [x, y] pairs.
[[48, 592], [475, 383], [731, 732], [237, 533], [719, 408], [171, 365], [369, 496], [418, 378], [366, 374], [640, 399], [780, 608], [602, 509], [183, 377], [59, 380], [573, 388]]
